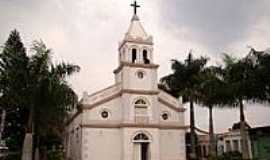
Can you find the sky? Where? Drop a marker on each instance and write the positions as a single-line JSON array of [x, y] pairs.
[[87, 33]]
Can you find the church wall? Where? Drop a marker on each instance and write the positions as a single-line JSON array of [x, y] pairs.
[[128, 101], [172, 145], [102, 144], [174, 116], [127, 52], [131, 80], [113, 107], [118, 77]]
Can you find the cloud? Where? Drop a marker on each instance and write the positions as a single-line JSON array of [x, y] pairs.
[[258, 37], [215, 24]]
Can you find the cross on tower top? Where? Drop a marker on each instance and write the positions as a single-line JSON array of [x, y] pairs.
[[135, 6]]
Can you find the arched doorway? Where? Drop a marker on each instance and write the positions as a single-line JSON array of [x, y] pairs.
[[141, 147]]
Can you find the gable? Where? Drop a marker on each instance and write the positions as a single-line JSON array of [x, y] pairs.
[[112, 107], [100, 97], [170, 102]]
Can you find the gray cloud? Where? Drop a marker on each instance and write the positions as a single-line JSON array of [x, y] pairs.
[[215, 23]]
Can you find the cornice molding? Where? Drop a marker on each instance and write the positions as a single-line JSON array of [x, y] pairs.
[[134, 65], [136, 41], [95, 93], [74, 116], [118, 94], [139, 91], [91, 106], [134, 125], [170, 105]]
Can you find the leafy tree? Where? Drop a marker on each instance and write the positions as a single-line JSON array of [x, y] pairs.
[[230, 156], [185, 81], [37, 87], [14, 129], [13, 67], [13, 73]]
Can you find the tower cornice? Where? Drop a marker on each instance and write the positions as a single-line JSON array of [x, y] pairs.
[[136, 41], [134, 65]]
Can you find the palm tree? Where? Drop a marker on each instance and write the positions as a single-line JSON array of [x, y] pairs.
[[35, 85], [212, 93], [261, 63], [185, 81], [240, 77], [48, 92]]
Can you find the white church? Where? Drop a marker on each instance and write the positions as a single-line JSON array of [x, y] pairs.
[[132, 119]]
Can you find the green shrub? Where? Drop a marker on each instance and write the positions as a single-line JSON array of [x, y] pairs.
[[56, 155], [230, 156]]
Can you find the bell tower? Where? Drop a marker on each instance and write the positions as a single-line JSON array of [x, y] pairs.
[[136, 70]]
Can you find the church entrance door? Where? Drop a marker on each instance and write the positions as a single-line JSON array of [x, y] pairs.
[[141, 147], [144, 151], [141, 151]]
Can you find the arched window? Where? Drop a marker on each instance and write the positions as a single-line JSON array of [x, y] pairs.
[[144, 53], [140, 102], [141, 111], [145, 57], [141, 137], [134, 55]]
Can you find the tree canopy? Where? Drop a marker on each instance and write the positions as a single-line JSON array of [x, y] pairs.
[[185, 79], [35, 88]]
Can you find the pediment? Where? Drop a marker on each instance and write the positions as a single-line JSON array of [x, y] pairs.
[[170, 101], [100, 97]]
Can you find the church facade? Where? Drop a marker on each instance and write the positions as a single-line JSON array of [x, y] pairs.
[[132, 119]]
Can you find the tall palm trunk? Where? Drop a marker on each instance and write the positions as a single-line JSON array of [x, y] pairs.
[[27, 150], [37, 151], [3, 119], [193, 154], [244, 134], [212, 146]]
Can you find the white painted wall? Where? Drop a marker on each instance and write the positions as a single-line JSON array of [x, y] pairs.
[[172, 144], [131, 81], [128, 101], [114, 108], [73, 136], [126, 52], [173, 115], [102, 144]]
